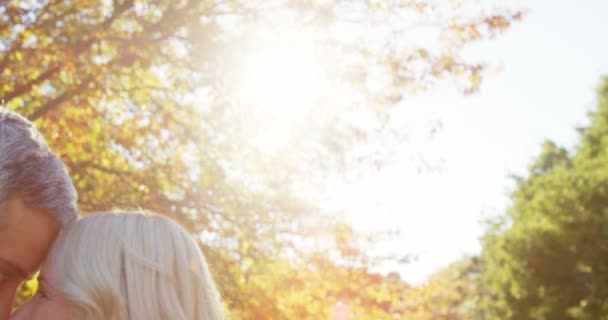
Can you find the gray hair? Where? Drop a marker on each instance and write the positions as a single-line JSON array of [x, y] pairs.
[[31, 170]]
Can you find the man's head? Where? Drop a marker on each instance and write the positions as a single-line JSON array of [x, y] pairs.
[[37, 199]]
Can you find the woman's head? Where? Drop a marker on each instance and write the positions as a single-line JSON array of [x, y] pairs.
[[126, 265]]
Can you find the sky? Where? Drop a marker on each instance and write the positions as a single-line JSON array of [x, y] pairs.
[[550, 65]]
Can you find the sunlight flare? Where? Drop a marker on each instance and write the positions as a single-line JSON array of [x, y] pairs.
[[281, 84]]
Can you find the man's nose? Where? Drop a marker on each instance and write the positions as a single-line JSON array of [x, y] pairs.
[[7, 297], [5, 310]]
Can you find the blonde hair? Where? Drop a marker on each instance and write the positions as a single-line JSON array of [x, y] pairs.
[[134, 265]]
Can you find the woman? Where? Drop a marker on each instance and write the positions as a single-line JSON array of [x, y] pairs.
[[124, 265]]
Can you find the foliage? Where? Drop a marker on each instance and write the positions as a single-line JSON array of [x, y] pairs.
[[135, 96], [320, 289], [453, 293], [548, 259]]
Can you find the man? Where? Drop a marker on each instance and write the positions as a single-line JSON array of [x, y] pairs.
[[37, 199]]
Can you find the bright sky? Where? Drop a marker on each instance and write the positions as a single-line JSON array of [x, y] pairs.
[[551, 64]]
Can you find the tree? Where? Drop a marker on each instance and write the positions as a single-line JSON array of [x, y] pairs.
[[453, 293], [322, 289], [548, 258], [135, 97]]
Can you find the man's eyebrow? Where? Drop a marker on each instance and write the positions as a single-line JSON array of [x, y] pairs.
[[14, 269]]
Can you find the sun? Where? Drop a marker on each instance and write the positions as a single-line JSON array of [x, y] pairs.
[[280, 83]]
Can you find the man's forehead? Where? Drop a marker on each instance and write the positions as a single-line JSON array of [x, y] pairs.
[[25, 239], [4, 220], [7, 267], [8, 214]]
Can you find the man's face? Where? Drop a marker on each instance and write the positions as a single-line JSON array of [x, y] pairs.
[[26, 236]]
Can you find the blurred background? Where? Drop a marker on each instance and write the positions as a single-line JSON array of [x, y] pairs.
[[354, 159]]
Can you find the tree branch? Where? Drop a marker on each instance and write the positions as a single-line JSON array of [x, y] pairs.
[[59, 99]]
